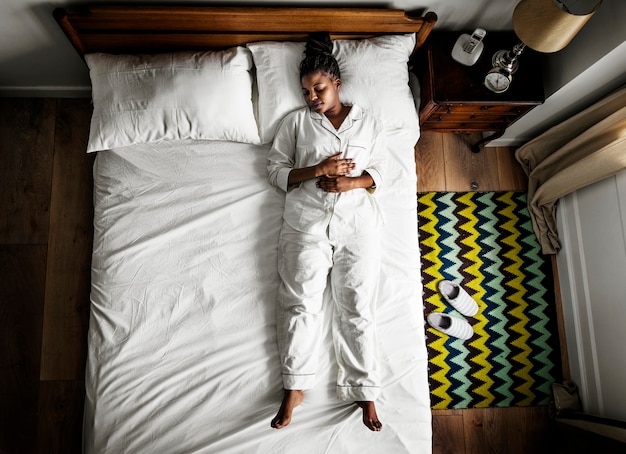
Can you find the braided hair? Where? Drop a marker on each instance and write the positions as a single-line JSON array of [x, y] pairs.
[[318, 56]]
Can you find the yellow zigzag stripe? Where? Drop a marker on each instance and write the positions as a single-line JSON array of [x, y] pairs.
[[517, 298], [431, 241], [439, 376], [482, 358]]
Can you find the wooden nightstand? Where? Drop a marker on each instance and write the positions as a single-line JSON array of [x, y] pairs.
[[453, 97]]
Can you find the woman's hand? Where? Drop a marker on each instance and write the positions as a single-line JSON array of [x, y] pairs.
[[344, 183], [335, 166], [336, 184]]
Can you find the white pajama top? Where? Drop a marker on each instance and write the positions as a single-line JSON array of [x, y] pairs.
[[305, 138]]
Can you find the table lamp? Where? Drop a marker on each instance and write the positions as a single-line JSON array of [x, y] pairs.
[[543, 25]]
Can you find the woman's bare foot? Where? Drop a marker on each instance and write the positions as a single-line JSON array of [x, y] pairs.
[[291, 399], [370, 418]]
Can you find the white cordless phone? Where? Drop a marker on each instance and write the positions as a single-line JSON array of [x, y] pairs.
[[474, 40], [468, 48]]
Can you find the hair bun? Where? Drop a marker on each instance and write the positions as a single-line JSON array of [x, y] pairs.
[[318, 56], [319, 43]]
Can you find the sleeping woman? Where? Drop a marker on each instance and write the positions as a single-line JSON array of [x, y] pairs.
[[328, 158]]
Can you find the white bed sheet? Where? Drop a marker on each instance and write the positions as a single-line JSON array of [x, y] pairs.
[[182, 342]]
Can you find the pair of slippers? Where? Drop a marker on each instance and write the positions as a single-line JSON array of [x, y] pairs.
[[460, 300]]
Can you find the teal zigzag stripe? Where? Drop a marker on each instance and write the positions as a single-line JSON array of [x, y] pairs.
[[448, 225], [498, 335], [536, 282]]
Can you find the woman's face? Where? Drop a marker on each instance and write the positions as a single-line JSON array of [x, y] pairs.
[[321, 92]]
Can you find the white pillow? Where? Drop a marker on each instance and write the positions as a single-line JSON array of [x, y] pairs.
[[181, 95], [374, 73]]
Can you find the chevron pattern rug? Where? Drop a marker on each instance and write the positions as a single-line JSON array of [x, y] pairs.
[[485, 242]]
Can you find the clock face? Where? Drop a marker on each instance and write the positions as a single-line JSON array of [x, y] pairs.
[[497, 82]]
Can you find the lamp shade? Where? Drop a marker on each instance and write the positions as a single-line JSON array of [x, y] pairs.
[[546, 27]]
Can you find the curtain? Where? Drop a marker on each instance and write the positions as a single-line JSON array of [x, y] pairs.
[[584, 149]]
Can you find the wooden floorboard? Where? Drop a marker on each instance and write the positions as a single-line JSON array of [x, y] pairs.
[[23, 271], [448, 432], [60, 418], [69, 246], [511, 176], [430, 162], [45, 248], [26, 153]]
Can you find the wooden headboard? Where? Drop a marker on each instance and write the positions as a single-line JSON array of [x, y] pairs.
[[151, 29]]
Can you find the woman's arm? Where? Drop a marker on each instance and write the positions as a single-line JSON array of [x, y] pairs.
[[331, 167]]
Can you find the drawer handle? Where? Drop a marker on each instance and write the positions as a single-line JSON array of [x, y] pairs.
[[449, 110], [484, 107]]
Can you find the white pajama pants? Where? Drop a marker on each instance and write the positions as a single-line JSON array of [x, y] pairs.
[[305, 264]]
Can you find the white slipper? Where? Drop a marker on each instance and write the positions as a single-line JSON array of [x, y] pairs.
[[458, 298], [452, 326]]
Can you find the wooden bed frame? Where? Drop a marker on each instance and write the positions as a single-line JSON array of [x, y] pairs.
[[151, 29]]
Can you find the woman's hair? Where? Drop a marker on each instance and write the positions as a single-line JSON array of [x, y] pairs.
[[318, 56]]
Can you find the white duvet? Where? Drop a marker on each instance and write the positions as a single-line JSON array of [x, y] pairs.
[[182, 344]]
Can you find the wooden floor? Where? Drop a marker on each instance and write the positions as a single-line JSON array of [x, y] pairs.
[[45, 247]]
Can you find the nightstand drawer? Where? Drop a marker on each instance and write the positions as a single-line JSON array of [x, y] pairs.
[[470, 117], [483, 109], [474, 117], [447, 125]]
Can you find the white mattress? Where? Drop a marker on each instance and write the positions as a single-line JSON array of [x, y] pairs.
[[182, 343]]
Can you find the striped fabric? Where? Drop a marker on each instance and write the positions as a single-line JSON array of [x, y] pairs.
[[485, 242]]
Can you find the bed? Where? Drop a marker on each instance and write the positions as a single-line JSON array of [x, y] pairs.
[[182, 352]]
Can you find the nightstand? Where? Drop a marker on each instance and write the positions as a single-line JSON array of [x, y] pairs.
[[453, 97]]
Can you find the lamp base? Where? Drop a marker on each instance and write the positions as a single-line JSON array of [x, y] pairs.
[[507, 59]]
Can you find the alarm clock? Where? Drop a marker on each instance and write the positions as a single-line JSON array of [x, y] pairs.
[[498, 80]]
